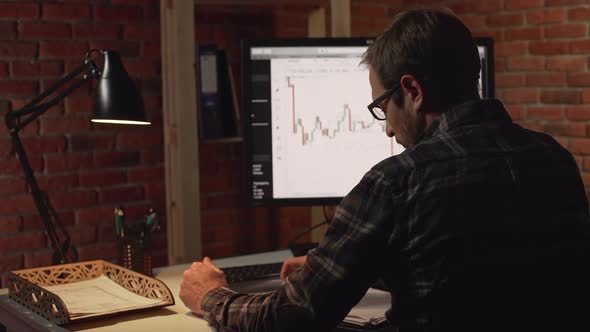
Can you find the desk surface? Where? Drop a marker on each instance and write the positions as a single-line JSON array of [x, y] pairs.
[[172, 318]]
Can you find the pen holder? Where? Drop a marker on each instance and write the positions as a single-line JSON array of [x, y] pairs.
[[133, 254]]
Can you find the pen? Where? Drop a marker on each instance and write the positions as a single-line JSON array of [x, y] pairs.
[[120, 222]]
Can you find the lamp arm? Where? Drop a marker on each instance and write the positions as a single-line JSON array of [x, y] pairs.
[[33, 110]]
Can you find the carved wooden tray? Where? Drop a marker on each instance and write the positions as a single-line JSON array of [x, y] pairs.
[[27, 287]]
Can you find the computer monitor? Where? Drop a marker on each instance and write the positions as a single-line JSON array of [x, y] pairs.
[[308, 135]]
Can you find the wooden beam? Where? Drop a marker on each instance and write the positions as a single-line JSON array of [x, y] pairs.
[[181, 151], [340, 18], [316, 23]]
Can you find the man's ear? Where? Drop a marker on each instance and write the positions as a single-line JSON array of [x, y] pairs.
[[413, 90]]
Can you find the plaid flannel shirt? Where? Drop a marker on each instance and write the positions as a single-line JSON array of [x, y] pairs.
[[456, 226]]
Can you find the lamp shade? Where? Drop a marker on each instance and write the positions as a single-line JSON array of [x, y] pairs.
[[116, 99]]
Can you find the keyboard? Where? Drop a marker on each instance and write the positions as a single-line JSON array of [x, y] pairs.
[[252, 272]]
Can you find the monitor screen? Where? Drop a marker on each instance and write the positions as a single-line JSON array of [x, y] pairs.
[[309, 137]]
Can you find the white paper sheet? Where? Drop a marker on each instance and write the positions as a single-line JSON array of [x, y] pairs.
[[99, 296], [371, 309]]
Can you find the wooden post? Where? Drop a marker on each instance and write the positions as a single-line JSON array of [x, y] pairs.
[[340, 15], [181, 151]]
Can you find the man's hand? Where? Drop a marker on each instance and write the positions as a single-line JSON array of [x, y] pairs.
[[197, 281], [292, 264]]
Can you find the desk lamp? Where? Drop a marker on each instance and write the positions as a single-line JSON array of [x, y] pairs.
[[116, 100]]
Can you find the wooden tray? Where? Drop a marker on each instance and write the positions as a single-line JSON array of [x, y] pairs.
[[27, 287]]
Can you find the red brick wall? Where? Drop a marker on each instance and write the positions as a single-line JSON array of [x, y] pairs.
[[87, 169], [542, 49]]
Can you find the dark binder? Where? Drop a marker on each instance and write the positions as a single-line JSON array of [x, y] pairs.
[[216, 95]]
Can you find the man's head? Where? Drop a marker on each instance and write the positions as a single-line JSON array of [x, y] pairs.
[[433, 58]]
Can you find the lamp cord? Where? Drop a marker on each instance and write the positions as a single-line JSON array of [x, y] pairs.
[[326, 221]]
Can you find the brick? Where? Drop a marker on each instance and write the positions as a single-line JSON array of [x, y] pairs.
[[579, 14], [579, 146], [121, 195], [526, 63], [41, 145], [216, 217], [586, 96], [529, 33], [506, 20], [38, 258], [73, 199], [3, 69], [140, 32], [523, 4], [216, 184], [567, 63], [34, 222], [586, 163], [64, 125], [490, 6], [10, 224], [221, 201], [10, 262], [139, 139], [62, 49], [102, 178], [578, 79], [549, 47], [95, 215], [580, 46], [125, 48], [106, 251], [511, 48], [521, 95], [68, 162], [66, 11], [142, 68], [578, 112], [116, 159], [79, 104], [546, 113], [96, 31], [560, 97], [7, 30], [19, 88], [83, 235], [546, 16], [516, 111], [564, 2], [10, 186], [58, 182], [36, 30], [152, 156], [118, 14], [474, 22], [19, 10], [565, 129], [17, 50], [87, 142], [146, 174], [22, 69], [566, 31], [22, 241], [151, 87], [106, 233], [546, 79], [13, 165], [156, 193], [150, 50]]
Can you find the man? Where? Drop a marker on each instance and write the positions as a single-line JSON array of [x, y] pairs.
[[479, 225]]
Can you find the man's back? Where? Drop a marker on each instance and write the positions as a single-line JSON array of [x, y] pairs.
[[491, 228]]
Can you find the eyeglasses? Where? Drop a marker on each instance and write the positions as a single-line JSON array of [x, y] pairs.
[[375, 107]]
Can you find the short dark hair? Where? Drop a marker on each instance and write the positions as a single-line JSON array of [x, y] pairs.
[[433, 45]]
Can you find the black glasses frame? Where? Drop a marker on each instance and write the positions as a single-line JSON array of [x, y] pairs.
[[376, 104]]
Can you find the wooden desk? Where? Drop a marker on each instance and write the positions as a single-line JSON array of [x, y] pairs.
[[175, 318]]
